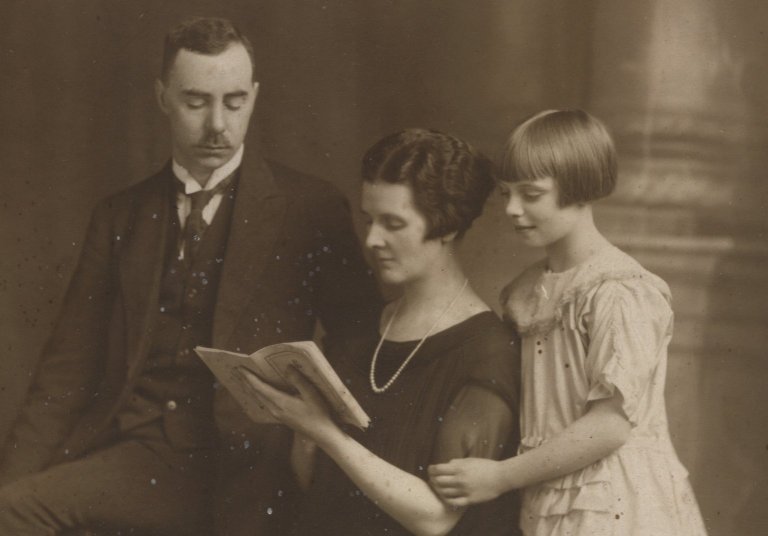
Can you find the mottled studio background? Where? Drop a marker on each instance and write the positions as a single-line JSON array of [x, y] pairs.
[[683, 84]]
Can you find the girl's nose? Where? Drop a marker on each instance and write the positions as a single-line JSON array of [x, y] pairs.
[[514, 206]]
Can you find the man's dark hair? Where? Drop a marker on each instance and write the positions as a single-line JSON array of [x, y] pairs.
[[450, 180], [204, 35]]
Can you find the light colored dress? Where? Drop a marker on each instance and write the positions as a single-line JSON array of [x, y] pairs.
[[600, 327]]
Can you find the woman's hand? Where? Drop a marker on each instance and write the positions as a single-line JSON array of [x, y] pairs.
[[306, 413], [466, 481]]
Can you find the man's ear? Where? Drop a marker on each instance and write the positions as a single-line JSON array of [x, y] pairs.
[[160, 95]]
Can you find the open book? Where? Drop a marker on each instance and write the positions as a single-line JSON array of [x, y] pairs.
[[271, 364]]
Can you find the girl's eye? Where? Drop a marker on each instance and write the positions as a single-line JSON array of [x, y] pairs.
[[531, 196], [195, 104]]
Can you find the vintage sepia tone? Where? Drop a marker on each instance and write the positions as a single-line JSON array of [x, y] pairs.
[[680, 83]]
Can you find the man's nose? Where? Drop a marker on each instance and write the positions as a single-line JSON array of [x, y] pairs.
[[216, 118]]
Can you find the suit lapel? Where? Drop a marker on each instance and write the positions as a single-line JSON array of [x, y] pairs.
[[141, 263], [257, 219]]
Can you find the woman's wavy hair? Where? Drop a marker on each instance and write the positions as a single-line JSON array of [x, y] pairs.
[[449, 179]]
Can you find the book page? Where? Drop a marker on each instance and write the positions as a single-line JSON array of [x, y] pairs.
[[272, 364], [223, 364], [308, 359]]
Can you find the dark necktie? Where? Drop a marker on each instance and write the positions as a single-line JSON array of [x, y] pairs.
[[195, 226]]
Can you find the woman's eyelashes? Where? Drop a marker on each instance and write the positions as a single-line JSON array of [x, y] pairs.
[[389, 223]]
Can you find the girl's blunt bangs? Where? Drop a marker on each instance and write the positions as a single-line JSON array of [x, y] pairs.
[[569, 146], [529, 155]]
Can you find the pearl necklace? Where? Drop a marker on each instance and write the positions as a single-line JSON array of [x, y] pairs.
[[396, 375]]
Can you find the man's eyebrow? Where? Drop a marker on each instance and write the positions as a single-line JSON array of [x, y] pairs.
[[236, 94], [194, 93]]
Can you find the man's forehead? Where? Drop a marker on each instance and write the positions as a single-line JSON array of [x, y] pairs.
[[232, 65]]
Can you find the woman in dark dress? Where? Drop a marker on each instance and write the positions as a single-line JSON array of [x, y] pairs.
[[440, 376]]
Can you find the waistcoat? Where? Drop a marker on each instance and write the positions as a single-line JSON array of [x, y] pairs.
[[174, 387]]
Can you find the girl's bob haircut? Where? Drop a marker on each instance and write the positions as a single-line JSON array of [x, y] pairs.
[[569, 146]]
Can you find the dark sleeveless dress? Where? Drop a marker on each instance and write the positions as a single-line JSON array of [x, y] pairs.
[[457, 397]]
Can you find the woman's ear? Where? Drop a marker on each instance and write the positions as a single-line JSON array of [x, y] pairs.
[[450, 237]]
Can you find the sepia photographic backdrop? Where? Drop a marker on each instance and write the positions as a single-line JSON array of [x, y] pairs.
[[682, 84]]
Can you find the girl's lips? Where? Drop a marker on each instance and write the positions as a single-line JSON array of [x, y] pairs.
[[524, 227]]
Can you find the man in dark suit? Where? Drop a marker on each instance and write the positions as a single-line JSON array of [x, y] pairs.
[[124, 428]]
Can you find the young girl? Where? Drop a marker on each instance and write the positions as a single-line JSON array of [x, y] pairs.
[[595, 456]]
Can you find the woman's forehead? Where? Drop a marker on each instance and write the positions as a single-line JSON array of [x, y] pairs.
[[392, 196]]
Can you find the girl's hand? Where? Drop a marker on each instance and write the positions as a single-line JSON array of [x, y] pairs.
[[466, 481], [306, 413]]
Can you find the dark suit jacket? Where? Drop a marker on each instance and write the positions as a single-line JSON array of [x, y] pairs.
[[291, 258]]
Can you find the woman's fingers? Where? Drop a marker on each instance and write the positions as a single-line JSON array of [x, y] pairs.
[[296, 377], [307, 390], [267, 395]]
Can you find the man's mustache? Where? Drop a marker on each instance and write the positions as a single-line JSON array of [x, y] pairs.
[[217, 141]]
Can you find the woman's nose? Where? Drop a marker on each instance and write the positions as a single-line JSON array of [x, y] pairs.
[[373, 237]]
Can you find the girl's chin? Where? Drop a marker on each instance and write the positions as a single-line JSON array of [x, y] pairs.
[[391, 279], [529, 239]]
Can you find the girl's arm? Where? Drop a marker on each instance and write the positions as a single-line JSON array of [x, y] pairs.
[[627, 321], [404, 496], [603, 429]]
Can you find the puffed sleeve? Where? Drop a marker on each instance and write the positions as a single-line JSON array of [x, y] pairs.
[[482, 422], [478, 424], [628, 324], [482, 419]]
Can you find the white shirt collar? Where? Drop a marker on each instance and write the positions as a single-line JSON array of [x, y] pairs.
[[191, 185]]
